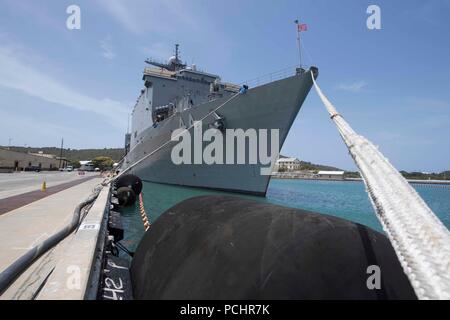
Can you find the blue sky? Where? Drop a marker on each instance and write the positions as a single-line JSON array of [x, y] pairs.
[[392, 84]]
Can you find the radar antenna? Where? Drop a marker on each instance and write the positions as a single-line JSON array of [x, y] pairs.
[[173, 64]]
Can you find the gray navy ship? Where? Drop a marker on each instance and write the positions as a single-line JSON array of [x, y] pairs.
[[176, 95]]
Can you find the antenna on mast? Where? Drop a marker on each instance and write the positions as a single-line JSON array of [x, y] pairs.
[[176, 50]]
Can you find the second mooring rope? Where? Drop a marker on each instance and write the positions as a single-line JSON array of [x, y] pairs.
[[420, 239], [143, 213]]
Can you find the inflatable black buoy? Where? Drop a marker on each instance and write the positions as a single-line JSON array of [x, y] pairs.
[[126, 196], [131, 181], [221, 247]]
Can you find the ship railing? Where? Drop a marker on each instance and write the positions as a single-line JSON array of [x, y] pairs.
[[151, 60], [271, 77], [158, 72]]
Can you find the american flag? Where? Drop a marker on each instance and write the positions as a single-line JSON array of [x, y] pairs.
[[301, 26]]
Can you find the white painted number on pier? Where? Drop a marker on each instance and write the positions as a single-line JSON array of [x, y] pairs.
[[73, 22], [74, 280], [89, 226]]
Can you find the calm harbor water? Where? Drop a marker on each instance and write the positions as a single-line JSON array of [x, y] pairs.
[[343, 199]]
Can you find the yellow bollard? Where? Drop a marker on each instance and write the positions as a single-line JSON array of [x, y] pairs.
[[44, 186]]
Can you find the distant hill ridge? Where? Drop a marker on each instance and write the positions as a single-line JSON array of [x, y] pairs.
[[74, 154], [117, 153], [318, 167]]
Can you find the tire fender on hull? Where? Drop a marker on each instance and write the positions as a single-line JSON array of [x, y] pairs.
[[222, 247]]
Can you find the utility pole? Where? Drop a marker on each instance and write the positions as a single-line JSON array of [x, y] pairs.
[[9, 143], [61, 152]]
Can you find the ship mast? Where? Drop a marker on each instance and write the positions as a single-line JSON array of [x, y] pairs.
[[173, 64], [176, 51]]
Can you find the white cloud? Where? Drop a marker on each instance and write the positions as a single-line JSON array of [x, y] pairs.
[[16, 73], [33, 9], [11, 122], [141, 16], [49, 133], [107, 50], [120, 12], [352, 87], [157, 50]]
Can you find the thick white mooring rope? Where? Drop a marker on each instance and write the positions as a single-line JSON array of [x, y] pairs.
[[420, 239]]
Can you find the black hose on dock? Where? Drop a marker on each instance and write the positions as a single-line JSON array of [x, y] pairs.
[[21, 264]]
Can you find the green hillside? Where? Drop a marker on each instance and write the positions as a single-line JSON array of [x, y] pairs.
[[76, 154], [316, 167]]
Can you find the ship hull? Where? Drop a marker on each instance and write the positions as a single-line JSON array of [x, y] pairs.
[[270, 106]]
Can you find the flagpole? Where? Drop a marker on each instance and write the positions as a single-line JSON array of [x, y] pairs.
[[298, 43]]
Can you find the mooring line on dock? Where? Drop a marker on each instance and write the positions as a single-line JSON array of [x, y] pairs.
[[144, 216], [420, 240]]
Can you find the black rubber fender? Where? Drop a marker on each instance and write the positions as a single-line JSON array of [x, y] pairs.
[[131, 181], [126, 196], [222, 247]]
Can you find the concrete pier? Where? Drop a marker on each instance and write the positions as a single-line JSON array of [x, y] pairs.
[[74, 276], [26, 226], [18, 183]]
